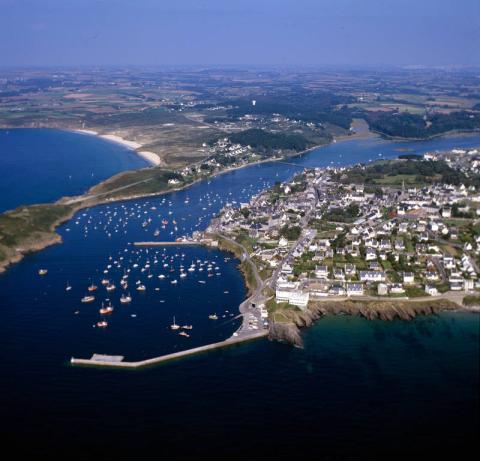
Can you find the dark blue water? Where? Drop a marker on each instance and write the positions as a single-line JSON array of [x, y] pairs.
[[42, 165], [357, 388]]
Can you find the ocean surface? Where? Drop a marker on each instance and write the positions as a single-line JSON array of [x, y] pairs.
[[42, 165], [358, 387]]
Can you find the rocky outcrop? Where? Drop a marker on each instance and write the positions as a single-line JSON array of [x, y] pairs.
[[371, 310], [287, 332]]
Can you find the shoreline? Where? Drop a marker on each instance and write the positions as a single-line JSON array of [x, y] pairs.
[[152, 158], [385, 310], [84, 201]]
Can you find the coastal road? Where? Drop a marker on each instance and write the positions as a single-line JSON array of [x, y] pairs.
[[252, 320], [83, 198]]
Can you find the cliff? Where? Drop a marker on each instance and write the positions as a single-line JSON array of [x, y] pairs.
[[371, 310]]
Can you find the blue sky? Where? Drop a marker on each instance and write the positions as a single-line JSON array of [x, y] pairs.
[[239, 32]]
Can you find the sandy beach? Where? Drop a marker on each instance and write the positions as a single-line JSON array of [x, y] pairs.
[[150, 157]]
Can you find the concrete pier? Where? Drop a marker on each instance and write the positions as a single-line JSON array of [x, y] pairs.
[[99, 360], [162, 244]]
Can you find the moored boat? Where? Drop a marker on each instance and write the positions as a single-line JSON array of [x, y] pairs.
[[88, 299]]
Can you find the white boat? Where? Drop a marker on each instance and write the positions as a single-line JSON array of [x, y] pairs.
[[174, 326], [88, 299], [126, 299], [42, 271], [174, 282], [213, 317], [141, 288], [68, 287], [110, 287]]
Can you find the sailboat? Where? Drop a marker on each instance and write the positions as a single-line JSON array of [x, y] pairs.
[[125, 299], [68, 287], [174, 326]]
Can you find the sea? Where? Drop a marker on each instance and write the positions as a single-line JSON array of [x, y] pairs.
[[358, 389]]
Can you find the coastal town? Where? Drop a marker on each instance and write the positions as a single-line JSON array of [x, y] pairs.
[[320, 237]]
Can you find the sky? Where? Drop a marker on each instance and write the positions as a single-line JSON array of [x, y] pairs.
[[352, 33]]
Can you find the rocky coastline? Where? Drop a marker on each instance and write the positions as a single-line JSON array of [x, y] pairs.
[[289, 332]]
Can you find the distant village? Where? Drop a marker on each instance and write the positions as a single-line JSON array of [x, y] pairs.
[[316, 238]]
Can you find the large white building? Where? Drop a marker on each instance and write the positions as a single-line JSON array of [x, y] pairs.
[[295, 297]]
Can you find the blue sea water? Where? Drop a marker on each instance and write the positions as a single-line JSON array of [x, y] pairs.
[[358, 389], [42, 165]]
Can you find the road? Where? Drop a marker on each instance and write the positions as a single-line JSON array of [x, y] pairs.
[[251, 315]]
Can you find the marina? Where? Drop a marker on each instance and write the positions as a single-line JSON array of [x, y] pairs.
[[44, 326]]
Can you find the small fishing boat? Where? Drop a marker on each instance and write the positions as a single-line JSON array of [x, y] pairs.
[[213, 317], [102, 324], [110, 287], [68, 287], [184, 333], [42, 271], [105, 281], [187, 327], [141, 288], [92, 287]]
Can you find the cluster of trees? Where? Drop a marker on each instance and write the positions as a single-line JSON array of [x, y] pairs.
[[264, 140], [408, 125], [343, 214], [307, 106], [290, 232], [426, 171]]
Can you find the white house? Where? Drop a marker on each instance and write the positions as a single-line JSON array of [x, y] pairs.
[[408, 278], [431, 290], [372, 276], [354, 289]]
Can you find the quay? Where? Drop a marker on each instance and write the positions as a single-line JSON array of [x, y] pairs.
[[116, 361], [172, 243]]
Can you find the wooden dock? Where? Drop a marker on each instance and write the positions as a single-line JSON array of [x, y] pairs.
[[116, 361]]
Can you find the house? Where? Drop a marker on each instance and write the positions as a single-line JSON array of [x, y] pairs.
[[372, 276], [321, 272], [397, 288], [408, 278], [337, 290], [431, 290], [456, 285], [449, 262], [370, 254], [354, 289], [350, 270], [375, 266], [338, 274], [382, 289], [287, 269], [446, 212]]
